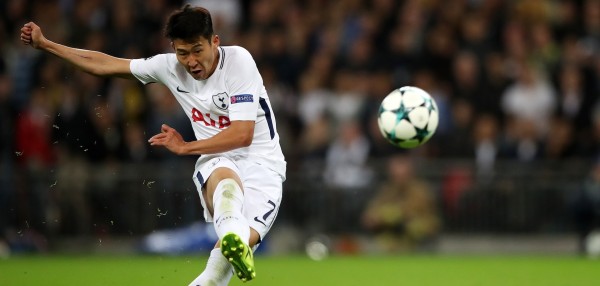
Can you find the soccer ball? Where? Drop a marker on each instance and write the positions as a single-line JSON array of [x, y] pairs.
[[408, 117]]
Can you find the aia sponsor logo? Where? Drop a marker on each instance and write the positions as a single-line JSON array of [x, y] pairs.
[[208, 120]]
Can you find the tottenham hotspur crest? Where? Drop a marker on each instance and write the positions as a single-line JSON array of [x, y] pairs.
[[221, 100]]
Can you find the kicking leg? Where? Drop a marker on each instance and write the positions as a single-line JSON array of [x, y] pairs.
[[230, 224]]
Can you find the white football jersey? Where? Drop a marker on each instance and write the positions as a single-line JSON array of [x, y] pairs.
[[235, 91]]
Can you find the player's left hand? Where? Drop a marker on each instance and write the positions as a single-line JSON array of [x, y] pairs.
[[169, 138]]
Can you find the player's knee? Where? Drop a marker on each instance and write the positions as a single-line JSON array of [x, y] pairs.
[[229, 185], [227, 189]]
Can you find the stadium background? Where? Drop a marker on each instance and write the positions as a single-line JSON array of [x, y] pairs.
[[510, 167]]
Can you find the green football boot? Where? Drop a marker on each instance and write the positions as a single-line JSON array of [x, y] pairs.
[[239, 255]]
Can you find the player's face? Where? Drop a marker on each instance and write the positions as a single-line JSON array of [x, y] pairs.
[[199, 57]]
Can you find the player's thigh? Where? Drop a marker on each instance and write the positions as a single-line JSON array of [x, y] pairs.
[[214, 170], [262, 197]]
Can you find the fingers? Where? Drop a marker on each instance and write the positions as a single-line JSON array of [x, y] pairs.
[[30, 25], [26, 39], [158, 137], [26, 33], [27, 29], [163, 137], [166, 128], [167, 133]]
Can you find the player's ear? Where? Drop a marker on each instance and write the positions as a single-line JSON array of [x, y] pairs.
[[173, 45], [216, 40]]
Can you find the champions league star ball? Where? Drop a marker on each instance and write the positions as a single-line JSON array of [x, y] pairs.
[[408, 117]]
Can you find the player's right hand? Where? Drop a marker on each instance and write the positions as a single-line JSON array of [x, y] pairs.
[[31, 34], [169, 138]]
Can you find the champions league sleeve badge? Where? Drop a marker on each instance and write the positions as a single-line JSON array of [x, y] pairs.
[[242, 98]]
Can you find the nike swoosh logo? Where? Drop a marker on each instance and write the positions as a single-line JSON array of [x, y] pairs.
[[259, 221], [181, 90], [215, 162]]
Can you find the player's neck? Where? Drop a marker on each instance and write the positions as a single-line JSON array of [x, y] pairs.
[[215, 62]]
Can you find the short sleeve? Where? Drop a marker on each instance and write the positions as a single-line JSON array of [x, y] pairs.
[[245, 84], [151, 69]]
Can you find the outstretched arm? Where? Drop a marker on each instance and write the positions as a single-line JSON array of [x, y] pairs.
[[93, 62], [237, 135]]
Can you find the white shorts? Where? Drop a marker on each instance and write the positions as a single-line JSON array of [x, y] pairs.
[[262, 190]]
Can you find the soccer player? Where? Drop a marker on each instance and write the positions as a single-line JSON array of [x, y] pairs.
[[241, 168]]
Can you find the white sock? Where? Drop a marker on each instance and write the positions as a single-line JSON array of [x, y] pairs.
[[228, 202], [218, 271]]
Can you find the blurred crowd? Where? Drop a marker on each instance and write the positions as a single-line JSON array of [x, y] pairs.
[[516, 80]]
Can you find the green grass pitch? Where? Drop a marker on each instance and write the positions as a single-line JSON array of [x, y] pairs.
[[299, 270]]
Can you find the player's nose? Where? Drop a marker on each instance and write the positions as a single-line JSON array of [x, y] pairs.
[[192, 63]]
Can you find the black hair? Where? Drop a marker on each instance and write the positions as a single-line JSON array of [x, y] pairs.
[[189, 23]]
